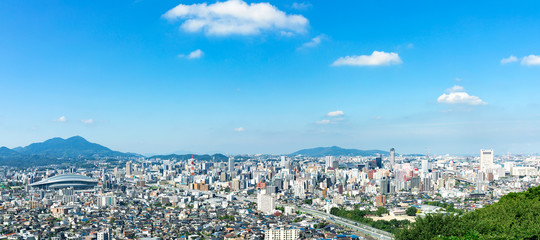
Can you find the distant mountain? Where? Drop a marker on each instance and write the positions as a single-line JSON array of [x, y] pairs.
[[10, 157], [56, 151], [337, 151], [73, 147], [9, 153], [216, 157]]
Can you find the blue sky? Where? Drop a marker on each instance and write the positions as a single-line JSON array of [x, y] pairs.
[[272, 77]]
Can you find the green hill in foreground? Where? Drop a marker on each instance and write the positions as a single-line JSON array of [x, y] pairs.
[[515, 216]]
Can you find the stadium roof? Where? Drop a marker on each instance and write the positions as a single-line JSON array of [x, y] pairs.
[[66, 180]]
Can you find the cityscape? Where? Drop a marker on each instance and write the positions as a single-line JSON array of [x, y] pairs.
[[269, 120], [291, 196]]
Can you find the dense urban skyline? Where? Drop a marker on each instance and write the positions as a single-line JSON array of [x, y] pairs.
[[257, 77]]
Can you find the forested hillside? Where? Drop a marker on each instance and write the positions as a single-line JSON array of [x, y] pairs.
[[515, 216]]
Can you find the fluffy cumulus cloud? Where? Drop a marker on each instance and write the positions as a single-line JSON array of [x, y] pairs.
[[239, 129], [457, 95], [314, 42], [236, 17], [337, 113], [61, 119], [193, 55], [510, 59], [87, 121], [531, 60], [375, 59]]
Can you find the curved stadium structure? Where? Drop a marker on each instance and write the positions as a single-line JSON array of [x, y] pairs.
[[66, 181]]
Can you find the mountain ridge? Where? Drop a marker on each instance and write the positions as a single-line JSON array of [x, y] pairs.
[[218, 157], [336, 151], [57, 150]]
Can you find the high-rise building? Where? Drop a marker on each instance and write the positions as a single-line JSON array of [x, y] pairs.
[[329, 161], [129, 168], [231, 164], [266, 203], [486, 160], [392, 157], [235, 185], [378, 161], [385, 186], [425, 165]]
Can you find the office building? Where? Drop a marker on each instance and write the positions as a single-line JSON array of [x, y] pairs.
[[486, 160], [378, 161], [266, 203], [329, 161], [231, 165], [129, 168], [392, 157]]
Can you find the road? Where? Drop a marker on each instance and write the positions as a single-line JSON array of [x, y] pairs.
[[373, 232], [356, 226]]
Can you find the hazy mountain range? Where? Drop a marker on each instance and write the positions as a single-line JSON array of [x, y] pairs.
[[59, 150], [337, 151], [205, 157]]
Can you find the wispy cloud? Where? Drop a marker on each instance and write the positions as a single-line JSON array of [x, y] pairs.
[[61, 119], [375, 59], [239, 129], [235, 17], [531, 60], [313, 42], [301, 5], [335, 113], [510, 59], [323, 122], [455, 88], [457, 95], [87, 121], [193, 55]]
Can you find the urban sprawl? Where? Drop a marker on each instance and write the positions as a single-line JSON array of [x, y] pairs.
[[252, 196]]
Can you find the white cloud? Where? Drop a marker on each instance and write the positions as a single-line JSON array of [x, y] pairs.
[[87, 121], [193, 55], [335, 113], [235, 17], [510, 59], [301, 6], [323, 122], [455, 88], [375, 59], [286, 34], [239, 129], [530, 60], [457, 95], [61, 119], [313, 42]]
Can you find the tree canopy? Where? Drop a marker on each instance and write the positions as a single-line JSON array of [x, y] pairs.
[[515, 216], [411, 211]]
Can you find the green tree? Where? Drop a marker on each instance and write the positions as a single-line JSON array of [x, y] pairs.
[[411, 211], [380, 211], [515, 216]]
